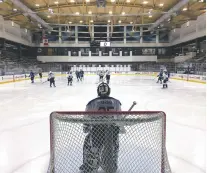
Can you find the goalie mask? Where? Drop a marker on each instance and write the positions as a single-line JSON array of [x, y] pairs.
[[103, 90]]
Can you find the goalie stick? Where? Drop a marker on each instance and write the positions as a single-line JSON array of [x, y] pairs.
[[133, 104]]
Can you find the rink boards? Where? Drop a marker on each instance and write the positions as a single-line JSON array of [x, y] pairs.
[[184, 77]]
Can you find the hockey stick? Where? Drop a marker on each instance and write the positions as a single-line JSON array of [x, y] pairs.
[[133, 104], [45, 81]]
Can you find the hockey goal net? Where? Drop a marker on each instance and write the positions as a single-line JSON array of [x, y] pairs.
[[141, 140]]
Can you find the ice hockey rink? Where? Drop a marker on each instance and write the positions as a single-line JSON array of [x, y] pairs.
[[25, 110]]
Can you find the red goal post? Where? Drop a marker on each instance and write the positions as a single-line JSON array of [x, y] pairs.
[[142, 147]]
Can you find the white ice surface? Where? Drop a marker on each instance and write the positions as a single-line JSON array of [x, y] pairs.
[[25, 109]]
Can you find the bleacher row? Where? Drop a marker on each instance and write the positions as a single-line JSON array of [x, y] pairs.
[[13, 63]]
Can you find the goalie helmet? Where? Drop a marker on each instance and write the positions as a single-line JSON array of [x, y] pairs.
[[103, 90]]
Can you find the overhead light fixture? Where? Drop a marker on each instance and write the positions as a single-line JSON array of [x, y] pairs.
[[14, 9], [90, 12], [109, 21], [113, 0], [185, 9], [128, 1], [110, 12], [131, 22], [37, 5], [119, 21], [123, 13], [56, 2], [50, 10], [145, 2], [87, 0], [150, 16], [69, 22], [72, 1], [1, 1], [48, 16], [161, 5], [77, 13], [91, 21], [81, 21], [201, 1]]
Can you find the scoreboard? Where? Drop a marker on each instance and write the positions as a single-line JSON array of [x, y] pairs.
[[105, 44]]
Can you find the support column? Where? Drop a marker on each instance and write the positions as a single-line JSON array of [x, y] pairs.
[[92, 27], [157, 36], [124, 34], [76, 34], [141, 34], [108, 36], [60, 35]]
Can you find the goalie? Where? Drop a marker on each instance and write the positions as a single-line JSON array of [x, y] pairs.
[[95, 151]]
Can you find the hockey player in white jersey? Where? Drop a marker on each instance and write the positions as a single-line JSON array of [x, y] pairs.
[[95, 152], [51, 78], [101, 76], [165, 79], [70, 78]]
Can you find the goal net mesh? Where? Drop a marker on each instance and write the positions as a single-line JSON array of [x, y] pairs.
[[140, 141]]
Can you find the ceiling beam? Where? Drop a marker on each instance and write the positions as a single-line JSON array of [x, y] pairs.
[[30, 13], [91, 4], [166, 16]]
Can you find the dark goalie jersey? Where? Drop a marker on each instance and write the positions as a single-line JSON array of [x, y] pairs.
[[103, 104]]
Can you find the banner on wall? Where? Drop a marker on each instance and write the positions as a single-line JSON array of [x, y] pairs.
[[45, 41]]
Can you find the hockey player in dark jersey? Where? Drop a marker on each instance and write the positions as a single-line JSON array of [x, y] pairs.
[[77, 73], [70, 78], [81, 75], [96, 149], [32, 75], [160, 77]]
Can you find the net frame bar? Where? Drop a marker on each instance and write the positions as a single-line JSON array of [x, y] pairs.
[[126, 113]]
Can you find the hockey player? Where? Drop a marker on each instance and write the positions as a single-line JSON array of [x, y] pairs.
[[51, 78], [108, 75], [95, 149], [70, 78], [40, 75], [81, 74], [32, 75], [77, 75], [160, 77], [165, 79], [101, 76]]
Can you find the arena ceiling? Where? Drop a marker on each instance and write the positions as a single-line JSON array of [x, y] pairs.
[[36, 14]]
